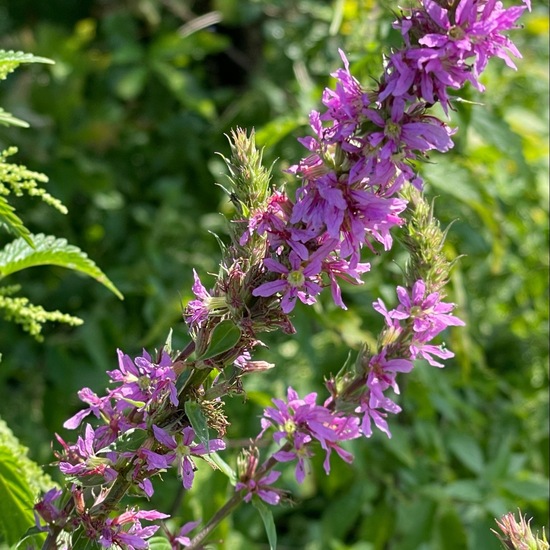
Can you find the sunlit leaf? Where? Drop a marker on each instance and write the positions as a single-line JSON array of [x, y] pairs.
[[224, 337], [17, 500], [49, 250]]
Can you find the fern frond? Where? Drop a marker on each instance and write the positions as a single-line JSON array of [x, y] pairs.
[[18, 309], [49, 250]]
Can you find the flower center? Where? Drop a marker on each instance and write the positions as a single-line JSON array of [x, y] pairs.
[[289, 426], [296, 278], [416, 311], [456, 32], [392, 130]]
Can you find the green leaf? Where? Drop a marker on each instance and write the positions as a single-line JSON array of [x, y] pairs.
[[198, 421], [269, 524], [12, 222], [49, 250], [216, 460], [449, 530], [36, 478], [225, 336], [533, 488], [17, 499], [159, 543], [468, 451], [7, 118], [10, 60], [273, 132], [22, 57]]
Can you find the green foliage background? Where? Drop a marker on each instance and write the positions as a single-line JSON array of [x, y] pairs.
[[126, 125]]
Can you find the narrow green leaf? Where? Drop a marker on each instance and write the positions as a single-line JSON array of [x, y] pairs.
[[22, 57], [17, 499], [269, 524], [8, 119], [198, 421], [49, 250], [225, 336], [12, 222], [221, 464]]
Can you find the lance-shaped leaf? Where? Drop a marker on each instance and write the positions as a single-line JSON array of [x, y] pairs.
[[225, 336], [7, 118], [49, 250], [269, 523], [198, 422]]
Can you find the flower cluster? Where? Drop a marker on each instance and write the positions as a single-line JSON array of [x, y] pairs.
[[126, 450], [415, 322], [365, 146], [122, 531], [302, 422]]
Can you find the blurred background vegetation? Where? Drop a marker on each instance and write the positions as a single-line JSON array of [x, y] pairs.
[[126, 125]]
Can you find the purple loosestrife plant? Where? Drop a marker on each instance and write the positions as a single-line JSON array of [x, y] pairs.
[[357, 184]]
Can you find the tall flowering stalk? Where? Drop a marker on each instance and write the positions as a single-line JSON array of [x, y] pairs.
[[358, 184]]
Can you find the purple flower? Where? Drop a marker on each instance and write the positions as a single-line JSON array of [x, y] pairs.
[[197, 310], [144, 384], [300, 422], [83, 461], [181, 449], [262, 488], [426, 351], [430, 316], [181, 538], [298, 280], [48, 510], [126, 531]]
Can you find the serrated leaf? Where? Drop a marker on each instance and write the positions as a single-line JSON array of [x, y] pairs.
[[269, 524], [8, 119], [17, 501], [198, 422], [12, 222], [225, 336], [49, 250]]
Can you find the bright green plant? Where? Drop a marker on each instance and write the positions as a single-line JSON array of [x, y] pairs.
[[29, 250]]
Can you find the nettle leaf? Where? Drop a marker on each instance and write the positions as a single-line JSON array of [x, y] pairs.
[[198, 421], [49, 250], [12, 222], [16, 504], [225, 336], [269, 524]]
